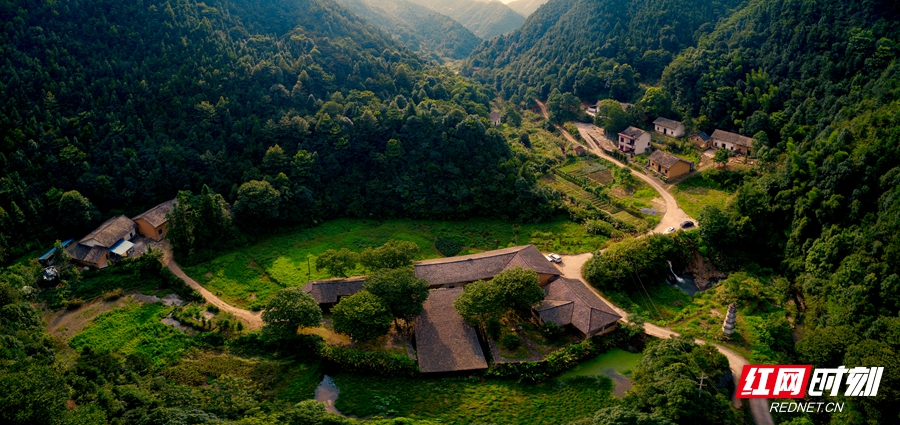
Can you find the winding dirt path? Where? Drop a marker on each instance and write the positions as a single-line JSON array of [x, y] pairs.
[[759, 407], [251, 319], [674, 214]]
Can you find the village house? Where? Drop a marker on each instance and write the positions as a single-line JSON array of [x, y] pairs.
[[579, 150], [444, 342], [668, 127], [153, 224], [329, 292], [737, 143], [455, 272], [634, 141], [701, 140], [110, 241], [569, 303], [495, 119], [668, 165]]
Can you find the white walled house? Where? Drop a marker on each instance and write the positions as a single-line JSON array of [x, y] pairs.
[[634, 141], [668, 127]]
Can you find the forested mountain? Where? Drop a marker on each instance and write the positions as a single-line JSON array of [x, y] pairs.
[[425, 31], [525, 7], [817, 84], [586, 46], [484, 18], [118, 106]]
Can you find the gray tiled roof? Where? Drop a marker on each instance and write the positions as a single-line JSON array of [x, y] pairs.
[[485, 265], [667, 123], [732, 138], [156, 216], [86, 254], [703, 136], [328, 291], [633, 132], [665, 159], [589, 313], [444, 342], [111, 231]]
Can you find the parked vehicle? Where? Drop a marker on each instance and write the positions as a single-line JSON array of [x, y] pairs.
[[554, 258], [669, 230], [687, 225]]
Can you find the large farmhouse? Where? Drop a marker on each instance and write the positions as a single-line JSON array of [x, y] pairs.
[[668, 165], [570, 303], [634, 141], [455, 272], [111, 240]]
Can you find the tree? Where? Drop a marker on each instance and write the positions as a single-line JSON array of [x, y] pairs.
[[257, 204], [337, 262], [520, 288], [401, 291], [624, 415], [480, 301], [289, 309], [656, 103], [721, 157], [76, 211], [611, 117], [512, 116], [198, 222], [563, 106], [393, 254], [362, 316]]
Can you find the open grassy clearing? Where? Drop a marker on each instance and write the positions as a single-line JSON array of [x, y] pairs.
[[135, 328], [697, 192], [248, 276], [472, 401]]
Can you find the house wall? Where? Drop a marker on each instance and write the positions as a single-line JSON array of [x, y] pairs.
[[677, 132], [545, 278], [100, 264], [742, 149], [155, 233], [641, 144], [678, 170], [721, 144], [699, 142], [608, 330]]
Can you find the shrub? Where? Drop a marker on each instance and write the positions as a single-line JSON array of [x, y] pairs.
[[551, 331], [448, 247], [361, 361], [511, 342], [113, 295], [493, 328], [212, 309], [74, 304]]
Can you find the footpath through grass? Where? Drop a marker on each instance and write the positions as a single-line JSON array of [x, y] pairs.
[[248, 276], [473, 401]]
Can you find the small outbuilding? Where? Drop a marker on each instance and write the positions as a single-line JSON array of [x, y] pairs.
[[569, 302], [701, 140], [579, 150], [330, 291], [154, 222], [495, 119], [668, 165], [668, 127]]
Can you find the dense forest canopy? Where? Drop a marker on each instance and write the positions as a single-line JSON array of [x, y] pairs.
[[485, 19], [580, 45], [334, 115]]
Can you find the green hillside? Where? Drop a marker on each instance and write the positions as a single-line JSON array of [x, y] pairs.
[[485, 19]]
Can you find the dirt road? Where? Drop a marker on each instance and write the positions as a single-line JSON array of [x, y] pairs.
[[674, 215], [251, 319], [759, 407]]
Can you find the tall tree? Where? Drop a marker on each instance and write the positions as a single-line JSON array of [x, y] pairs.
[[361, 316], [393, 254], [520, 288], [401, 291], [337, 262], [288, 310]]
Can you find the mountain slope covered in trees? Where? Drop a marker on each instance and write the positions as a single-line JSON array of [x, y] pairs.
[[576, 45], [425, 31], [119, 106], [485, 19]]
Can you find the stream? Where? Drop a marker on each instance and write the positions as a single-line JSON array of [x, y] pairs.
[[327, 393]]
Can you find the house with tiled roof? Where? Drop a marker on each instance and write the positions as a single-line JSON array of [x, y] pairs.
[[153, 223], [444, 342], [701, 140], [668, 127], [111, 240], [634, 141], [737, 143], [669, 166], [328, 292], [570, 303], [457, 271]]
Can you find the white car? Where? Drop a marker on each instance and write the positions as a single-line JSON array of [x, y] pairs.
[[669, 230], [554, 258]]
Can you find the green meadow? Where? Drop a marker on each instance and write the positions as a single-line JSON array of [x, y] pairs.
[[247, 276], [699, 191]]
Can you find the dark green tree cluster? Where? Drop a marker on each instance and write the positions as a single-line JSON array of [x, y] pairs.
[[629, 264], [594, 49], [295, 107], [513, 290]]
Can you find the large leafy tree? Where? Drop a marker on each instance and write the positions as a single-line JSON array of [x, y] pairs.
[[337, 262], [76, 212], [288, 310], [362, 316], [393, 254], [199, 223], [401, 291], [480, 301], [257, 204], [520, 288]]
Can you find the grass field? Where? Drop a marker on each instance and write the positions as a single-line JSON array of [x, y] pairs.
[[473, 401], [697, 192], [253, 273], [135, 328]]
